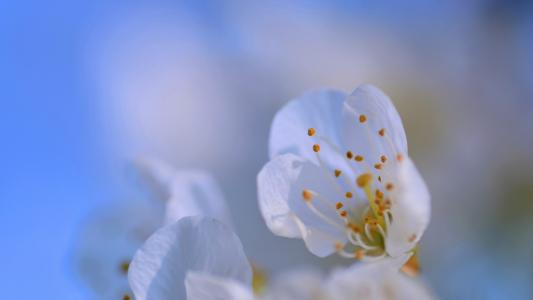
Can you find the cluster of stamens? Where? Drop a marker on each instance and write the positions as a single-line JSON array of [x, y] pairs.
[[366, 232]]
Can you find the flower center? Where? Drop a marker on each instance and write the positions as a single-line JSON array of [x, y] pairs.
[[365, 223]]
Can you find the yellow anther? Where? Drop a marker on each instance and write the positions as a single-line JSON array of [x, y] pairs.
[[348, 195], [364, 180], [358, 158], [382, 132], [349, 154], [124, 267], [307, 195], [354, 227], [359, 254], [344, 214], [316, 147], [362, 118], [379, 194], [311, 131], [339, 205], [338, 173], [126, 297], [389, 186], [383, 158], [377, 166]]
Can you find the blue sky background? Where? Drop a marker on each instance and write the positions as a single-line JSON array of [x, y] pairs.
[[53, 156]]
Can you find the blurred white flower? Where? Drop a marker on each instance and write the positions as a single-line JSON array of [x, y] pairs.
[[202, 259], [340, 177], [108, 241]]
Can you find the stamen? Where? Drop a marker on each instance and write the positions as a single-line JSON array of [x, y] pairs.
[[364, 180], [348, 195], [373, 258], [354, 227], [399, 157], [311, 131], [316, 147], [126, 297], [389, 186], [339, 205], [338, 173], [367, 232], [345, 254], [359, 242], [339, 246], [381, 231], [307, 195], [359, 254], [387, 219], [124, 267], [379, 178], [362, 118], [382, 132], [359, 158], [383, 158], [343, 214], [349, 154], [377, 166], [322, 216]]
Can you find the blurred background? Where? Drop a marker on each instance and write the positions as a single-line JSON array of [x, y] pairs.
[[87, 86]]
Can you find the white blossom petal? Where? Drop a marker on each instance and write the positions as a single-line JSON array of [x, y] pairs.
[[202, 286], [195, 192], [186, 192], [273, 186], [411, 209], [153, 176], [321, 110], [281, 184], [367, 111], [323, 232], [201, 244]]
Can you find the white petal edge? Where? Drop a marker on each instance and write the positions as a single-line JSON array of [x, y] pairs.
[[364, 138], [321, 110], [196, 192], [273, 187], [280, 186], [202, 286], [411, 209], [152, 175], [200, 244]]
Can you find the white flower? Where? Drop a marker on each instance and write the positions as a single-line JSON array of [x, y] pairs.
[[340, 177], [192, 244], [199, 258], [185, 192], [108, 241]]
